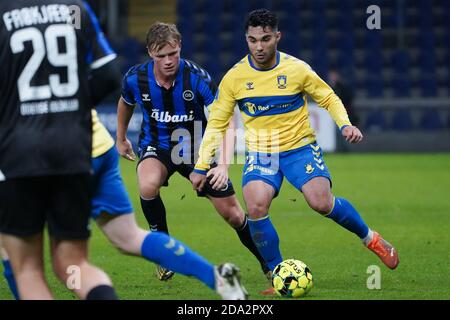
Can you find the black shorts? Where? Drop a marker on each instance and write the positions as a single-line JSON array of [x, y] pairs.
[[63, 201], [164, 156]]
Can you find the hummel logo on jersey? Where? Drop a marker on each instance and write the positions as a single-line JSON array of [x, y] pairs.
[[250, 86], [146, 97], [165, 116]]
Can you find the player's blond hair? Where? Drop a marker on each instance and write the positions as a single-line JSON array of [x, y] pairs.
[[160, 34]]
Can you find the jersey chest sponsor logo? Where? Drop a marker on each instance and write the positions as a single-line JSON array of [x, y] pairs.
[[165, 116]]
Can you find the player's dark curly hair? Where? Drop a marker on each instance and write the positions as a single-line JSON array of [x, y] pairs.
[[262, 18]]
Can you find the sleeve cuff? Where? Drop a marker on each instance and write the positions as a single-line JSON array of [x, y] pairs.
[[200, 171], [344, 126], [127, 102]]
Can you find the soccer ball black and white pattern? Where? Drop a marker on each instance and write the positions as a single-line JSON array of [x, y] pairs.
[[292, 278]]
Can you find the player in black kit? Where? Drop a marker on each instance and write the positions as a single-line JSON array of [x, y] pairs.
[[48, 64]]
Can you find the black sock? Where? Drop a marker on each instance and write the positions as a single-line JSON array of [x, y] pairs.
[[246, 239], [155, 213], [102, 292]]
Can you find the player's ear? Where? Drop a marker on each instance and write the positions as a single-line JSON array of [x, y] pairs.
[[278, 36], [149, 52]]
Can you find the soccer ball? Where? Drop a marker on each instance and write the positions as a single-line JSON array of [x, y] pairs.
[[292, 279]]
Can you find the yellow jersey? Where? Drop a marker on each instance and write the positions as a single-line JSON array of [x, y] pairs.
[[273, 106], [101, 139]]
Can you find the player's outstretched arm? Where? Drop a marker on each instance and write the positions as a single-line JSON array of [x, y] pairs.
[[124, 114], [352, 134]]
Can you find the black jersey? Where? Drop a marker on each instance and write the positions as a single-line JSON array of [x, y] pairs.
[[49, 48]]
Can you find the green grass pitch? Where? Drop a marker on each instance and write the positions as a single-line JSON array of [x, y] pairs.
[[406, 197]]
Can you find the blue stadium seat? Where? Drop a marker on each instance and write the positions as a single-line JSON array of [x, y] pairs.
[[288, 6], [448, 121], [428, 84], [344, 60], [402, 120], [375, 121], [426, 39], [431, 120], [290, 43], [400, 61], [373, 62], [373, 40], [130, 50], [289, 23], [345, 42], [427, 60], [374, 86], [185, 8], [401, 84]]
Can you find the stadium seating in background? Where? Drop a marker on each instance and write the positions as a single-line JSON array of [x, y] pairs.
[[409, 58], [376, 121], [431, 120], [402, 120]]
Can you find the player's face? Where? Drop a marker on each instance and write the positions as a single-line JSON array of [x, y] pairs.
[[262, 44], [167, 59]]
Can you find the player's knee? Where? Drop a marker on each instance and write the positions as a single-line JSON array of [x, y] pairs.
[[322, 205], [257, 210], [149, 191]]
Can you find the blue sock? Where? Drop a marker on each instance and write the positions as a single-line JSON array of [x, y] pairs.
[[345, 215], [9, 276], [266, 239], [171, 254]]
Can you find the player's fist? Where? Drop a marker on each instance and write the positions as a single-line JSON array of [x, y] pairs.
[[352, 134], [125, 149], [198, 180]]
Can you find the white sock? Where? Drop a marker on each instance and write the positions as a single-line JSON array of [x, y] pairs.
[[366, 240]]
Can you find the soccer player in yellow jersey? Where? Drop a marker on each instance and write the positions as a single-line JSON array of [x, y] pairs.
[[270, 88]]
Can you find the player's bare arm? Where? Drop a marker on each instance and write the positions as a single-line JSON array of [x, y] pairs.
[[124, 146], [352, 134], [219, 174]]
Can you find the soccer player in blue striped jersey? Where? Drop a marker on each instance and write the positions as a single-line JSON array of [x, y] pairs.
[[173, 94], [270, 88]]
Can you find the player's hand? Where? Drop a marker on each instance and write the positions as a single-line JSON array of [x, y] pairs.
[[125, 149], [352, 134], [219, 177], [198, 180]]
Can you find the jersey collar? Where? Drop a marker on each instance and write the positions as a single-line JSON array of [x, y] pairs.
[[256, 68], [177, 78]]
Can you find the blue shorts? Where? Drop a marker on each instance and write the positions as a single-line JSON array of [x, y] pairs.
[[109, 195], [298, 166]]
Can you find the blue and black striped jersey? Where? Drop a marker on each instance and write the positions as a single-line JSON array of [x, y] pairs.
[[174, 115]]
